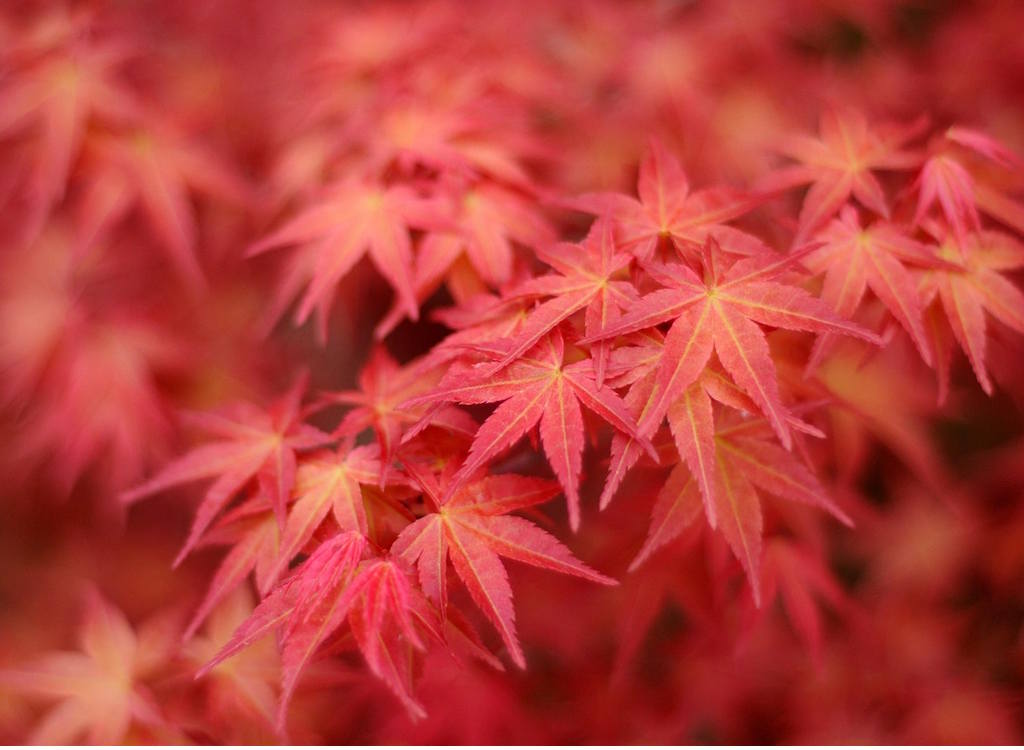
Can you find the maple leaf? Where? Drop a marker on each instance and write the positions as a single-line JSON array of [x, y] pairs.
[[385, 614], [489, 218], [984, 144], [61, 94], [470, 528], [327, 571], [385, 624], [839, 163], [157, 171], [327, 482], [586, 281], [477, 323], [738, 460], [676, 508], [98, 402], [454, 140], [381, 403], [100, 688], [536, 389], [437, 253], [945, 180], [625, 449], [667, 209], [971, 284], [720, 313], [855, 258], [253, 444], [351, 218], [334, 586]]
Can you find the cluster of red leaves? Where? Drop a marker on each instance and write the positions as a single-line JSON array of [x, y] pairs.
[[740, 354]]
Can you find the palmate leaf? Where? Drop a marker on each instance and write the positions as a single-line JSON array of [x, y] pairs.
[[856, 258], [252, 443], [969, 286], [489, 218], [881, 399], [721, 313], [455, 141], [317, 583], [840, 162], [436, 255], [478, 322], [588, 279], [327, 482], [475, 250], [537, 389], [100, 688], [351, 218], [677, 506], [738, 459], [341, 582], [634, 365], [946, 181], [58, 96], [157, 171], [471, 528], [667, 209], [380, 403], [627, 450], [801, 578], [247, 683]]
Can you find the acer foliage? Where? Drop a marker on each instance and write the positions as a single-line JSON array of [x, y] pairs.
[[332, 344], [97, 698]]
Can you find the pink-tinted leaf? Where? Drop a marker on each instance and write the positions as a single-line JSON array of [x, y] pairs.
[[677, 507], [739, 516]]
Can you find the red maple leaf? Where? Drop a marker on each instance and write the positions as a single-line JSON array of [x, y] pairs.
[[100, 688], [801, 577], [253, 444], [668, 210], [467, 139], [243, 687], [349, 219], [471, 528], [489, 218], [327, 482], [946, 180], [971, 283], [437, 253], [856, 258], [59, 96], [839, 163], [381, 403], [478, 322], [157, 171], [539, 388], [726, 461], [589, 278], [720, 313], [339, 584], [254, 534]]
